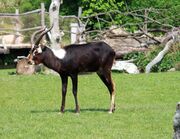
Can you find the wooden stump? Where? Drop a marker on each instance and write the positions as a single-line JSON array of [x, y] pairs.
[[23, 67]]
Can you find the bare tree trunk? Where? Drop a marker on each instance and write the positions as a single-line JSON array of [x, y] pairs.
[[172, 38], [55, 33], [17, 27], [160, 56], [54, 19]]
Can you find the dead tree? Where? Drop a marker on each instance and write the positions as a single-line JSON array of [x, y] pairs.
[[171, 39], [54, 19]]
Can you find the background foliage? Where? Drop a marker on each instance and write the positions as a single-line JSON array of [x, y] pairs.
[[169, 9], [169, 61], [94, 7], [168, 13]]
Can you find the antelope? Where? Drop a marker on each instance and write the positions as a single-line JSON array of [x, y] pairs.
[[73, 59]]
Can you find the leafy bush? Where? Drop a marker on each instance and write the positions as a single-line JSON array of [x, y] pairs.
[[172, 59], [95, 7]]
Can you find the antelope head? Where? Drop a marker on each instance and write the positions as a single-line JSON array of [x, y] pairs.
[[35, 54]]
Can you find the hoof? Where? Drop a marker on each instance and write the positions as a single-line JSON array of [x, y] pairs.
[[111, 111], [60, 113], [77, 113]]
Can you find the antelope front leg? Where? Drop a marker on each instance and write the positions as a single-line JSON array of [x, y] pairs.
[[64, 90], [75, 82]]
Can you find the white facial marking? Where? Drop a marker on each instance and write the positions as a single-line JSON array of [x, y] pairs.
[[39, 50], [60, 53]]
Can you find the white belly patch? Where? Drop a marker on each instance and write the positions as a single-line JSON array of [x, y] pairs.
[[60, 53]]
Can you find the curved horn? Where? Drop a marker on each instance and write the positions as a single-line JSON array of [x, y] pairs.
[[42, 34], [35, 33]]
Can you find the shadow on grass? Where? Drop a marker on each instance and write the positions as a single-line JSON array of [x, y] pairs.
[[94, 110], [44, 111], [70, 110]]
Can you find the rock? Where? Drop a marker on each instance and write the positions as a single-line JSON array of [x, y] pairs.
[[172, 69], [23, 67], [125, 66], [176, 122]]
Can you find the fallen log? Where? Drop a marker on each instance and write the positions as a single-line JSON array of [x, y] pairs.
[[126, 50]]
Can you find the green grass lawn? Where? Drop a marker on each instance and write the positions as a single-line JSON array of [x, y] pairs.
[[145, 105]]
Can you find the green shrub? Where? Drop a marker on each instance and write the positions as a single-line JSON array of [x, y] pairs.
[[143, 58]]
